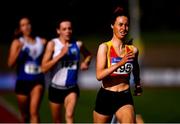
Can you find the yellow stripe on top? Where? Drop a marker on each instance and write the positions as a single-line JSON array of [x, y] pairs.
[[109, 45], [129, 48]]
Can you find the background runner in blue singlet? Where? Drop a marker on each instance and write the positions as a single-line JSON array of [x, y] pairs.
[[26, 52], [61, 60]]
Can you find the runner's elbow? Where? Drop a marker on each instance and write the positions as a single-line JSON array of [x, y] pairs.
[[43, 68], [99, 77], [10, 64]]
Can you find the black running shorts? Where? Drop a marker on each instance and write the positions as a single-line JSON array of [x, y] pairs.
[[58, 95], [108, 102], [25, 87]]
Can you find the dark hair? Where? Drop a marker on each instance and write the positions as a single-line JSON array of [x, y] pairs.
[[66, 19], [118, 11], [17, 32]]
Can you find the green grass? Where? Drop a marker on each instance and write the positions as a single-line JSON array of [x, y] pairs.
[[155, 105], [159, 105]]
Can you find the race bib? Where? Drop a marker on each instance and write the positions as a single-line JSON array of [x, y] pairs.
[[32, 68], [124, 69], [72, 65]]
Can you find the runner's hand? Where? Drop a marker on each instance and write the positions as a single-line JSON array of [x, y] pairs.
[[138, 90]]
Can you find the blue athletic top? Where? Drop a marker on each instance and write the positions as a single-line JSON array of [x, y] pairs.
[[29, 61], [65, 72]]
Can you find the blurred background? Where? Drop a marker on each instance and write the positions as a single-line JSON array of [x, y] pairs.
[[154, 27]]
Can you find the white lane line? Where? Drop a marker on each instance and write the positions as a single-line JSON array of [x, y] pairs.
[[9, 108]]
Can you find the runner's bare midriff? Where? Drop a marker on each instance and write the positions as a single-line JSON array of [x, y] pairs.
[[116, 83]]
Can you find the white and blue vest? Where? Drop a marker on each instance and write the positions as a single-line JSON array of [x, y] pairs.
[[29, 60], [65, 72]]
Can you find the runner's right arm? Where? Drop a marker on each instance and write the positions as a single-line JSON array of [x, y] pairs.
[[48, 62], [14, 52]]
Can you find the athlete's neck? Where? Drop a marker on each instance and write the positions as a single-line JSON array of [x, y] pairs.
[[29, 39], [63, 41], [117, 42]]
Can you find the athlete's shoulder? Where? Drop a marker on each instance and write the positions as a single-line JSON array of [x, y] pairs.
[[50, 45], [103, 46], [133, 48], [17, 42], [79, 43], [55, 40], [43, 40], [108, 42]]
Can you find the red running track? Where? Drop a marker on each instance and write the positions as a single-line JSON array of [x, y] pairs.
[[7, 117]]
